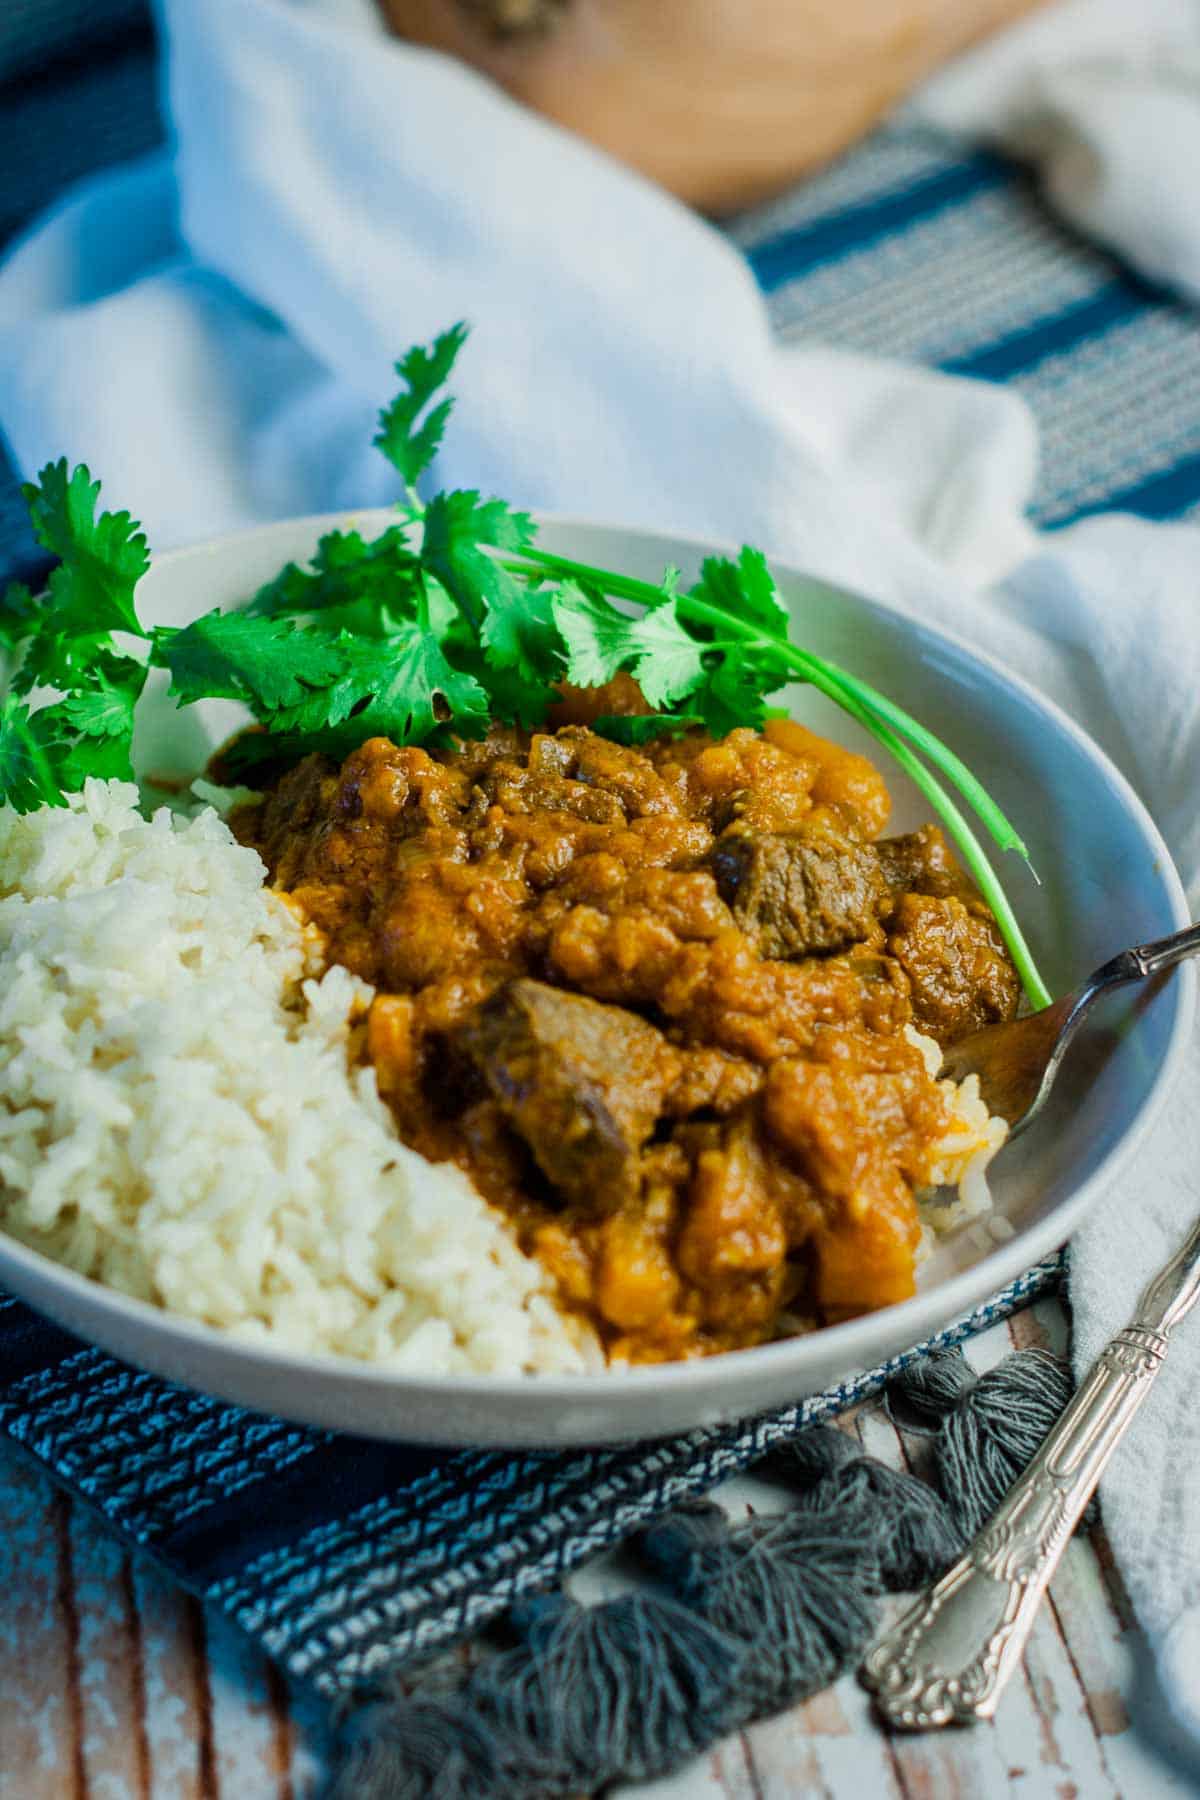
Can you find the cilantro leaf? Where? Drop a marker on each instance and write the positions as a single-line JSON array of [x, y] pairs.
[[27, 776], [103, 707], [459, 530], [346, 573], [418, 690], [595, 633], [365, 668], [514, 699], [731, 695], [19, 617], [745, 589], [101, 559], [402, 687], [410, 446], [269, 663], [670, 662], [519, 632], [75, 755], [666, 660]]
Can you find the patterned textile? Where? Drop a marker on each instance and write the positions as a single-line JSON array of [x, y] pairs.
[[345, 1558], [908, 248]]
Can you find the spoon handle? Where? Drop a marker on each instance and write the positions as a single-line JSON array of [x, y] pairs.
[[948, 1657]]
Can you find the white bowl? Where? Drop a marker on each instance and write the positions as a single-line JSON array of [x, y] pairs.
[[1107, 881]]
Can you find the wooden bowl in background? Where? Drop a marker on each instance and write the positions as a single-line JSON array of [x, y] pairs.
[[724, 102]]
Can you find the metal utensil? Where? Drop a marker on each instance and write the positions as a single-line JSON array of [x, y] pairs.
[[1017, 1063], [948, 1657]]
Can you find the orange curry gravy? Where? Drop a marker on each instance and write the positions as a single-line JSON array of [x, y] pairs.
[[653, 1001]]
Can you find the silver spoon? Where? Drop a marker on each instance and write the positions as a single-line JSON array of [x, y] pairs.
[[1017, 1063]]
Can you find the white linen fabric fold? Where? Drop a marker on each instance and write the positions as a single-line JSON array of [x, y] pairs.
[[214, 332], [1103, 98]]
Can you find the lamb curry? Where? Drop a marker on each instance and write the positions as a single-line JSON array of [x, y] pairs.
[[653, 1001]]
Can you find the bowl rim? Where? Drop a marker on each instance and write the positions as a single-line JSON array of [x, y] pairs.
[[849, 1343]]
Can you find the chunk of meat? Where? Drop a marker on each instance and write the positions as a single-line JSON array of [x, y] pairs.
[[582, 1083], [922, 862], [959, 971], [817, 888], [712, 1081]]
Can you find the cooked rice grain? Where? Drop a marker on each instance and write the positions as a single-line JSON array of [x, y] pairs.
[[961, 1155], [178, 1119]]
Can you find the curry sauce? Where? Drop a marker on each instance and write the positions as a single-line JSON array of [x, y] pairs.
[[654, 1001]]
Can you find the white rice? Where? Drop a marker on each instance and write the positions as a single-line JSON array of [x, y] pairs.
[[179, 1121], [957, 1191]]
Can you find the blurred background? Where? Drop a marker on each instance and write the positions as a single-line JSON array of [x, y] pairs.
[[78, 91], [1109, 364]]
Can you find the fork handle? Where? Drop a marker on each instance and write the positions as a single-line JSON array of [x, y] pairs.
[[948, 1657], [1149, 959]]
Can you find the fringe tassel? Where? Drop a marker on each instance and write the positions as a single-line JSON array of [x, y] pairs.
[[625, 1688], [756, 1616], [990, 1426], [910, 1531], [415, 1747], [798, 1592]]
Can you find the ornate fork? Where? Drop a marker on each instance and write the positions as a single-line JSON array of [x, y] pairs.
[[1018, 1062], [948, 1657]]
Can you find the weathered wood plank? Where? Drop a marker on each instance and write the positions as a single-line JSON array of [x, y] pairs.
[[829, 1745], [251, 1742], [175, 1682], [114, 1751], [1070, 1745], [40, 1750]]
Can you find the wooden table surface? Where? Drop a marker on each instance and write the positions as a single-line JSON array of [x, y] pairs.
[[115, 1686]]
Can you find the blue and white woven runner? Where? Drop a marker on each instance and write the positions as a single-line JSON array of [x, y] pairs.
[[345, 1559]]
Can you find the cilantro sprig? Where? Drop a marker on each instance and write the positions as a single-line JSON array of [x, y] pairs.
[[451, 617]]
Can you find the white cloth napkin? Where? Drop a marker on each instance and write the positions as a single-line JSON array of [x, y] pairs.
[[215, 335]]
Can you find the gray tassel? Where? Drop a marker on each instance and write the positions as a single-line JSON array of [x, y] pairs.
[[418, 1748], [799, 1591], [911, 1532], [918, 1399], [995, 1429], [626, 1689], [809, 1459]]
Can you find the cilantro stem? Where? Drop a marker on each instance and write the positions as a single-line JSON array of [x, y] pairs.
[[623, 587]]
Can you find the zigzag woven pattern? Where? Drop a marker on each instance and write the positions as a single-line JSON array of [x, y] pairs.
[[346, 1559], [910, 249]]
